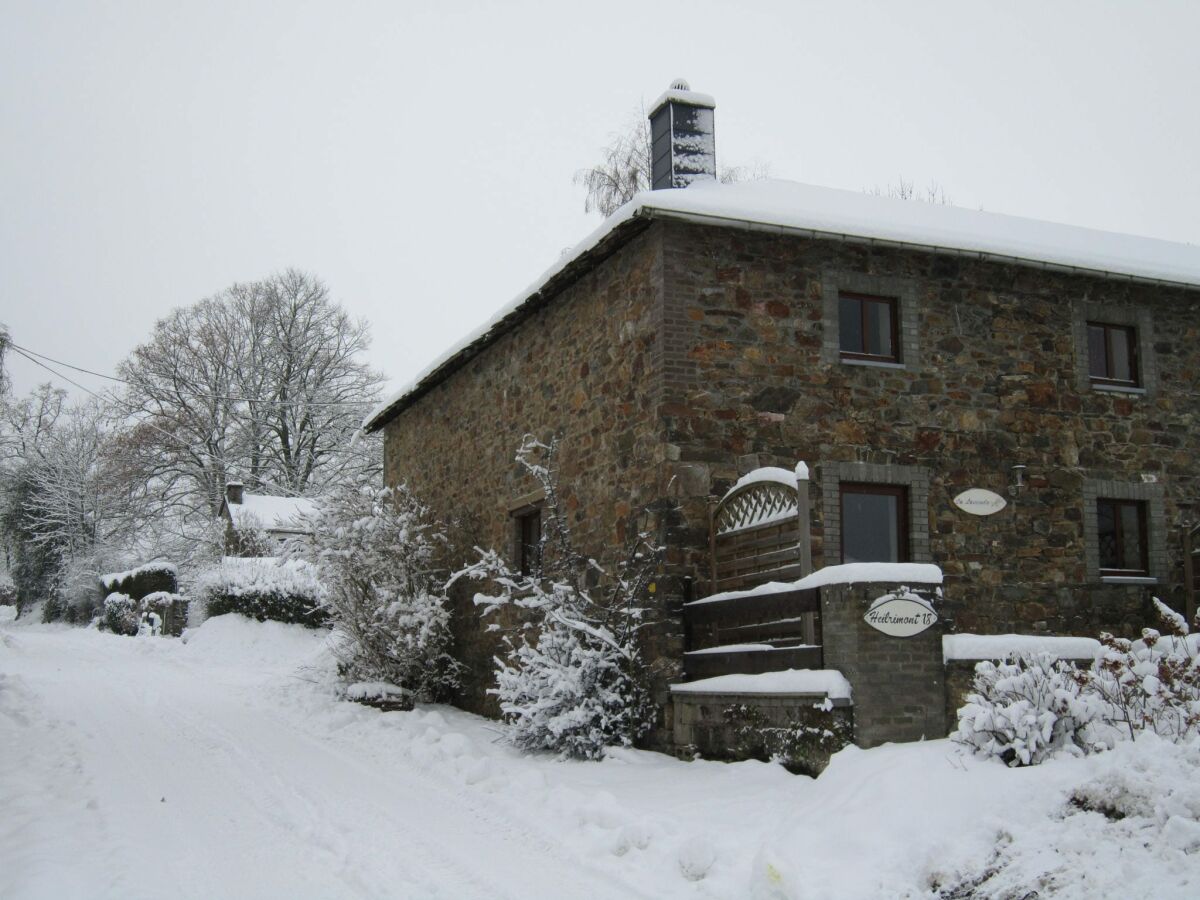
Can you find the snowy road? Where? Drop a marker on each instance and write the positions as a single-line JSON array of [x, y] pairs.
[[227, 767], [131, 768]]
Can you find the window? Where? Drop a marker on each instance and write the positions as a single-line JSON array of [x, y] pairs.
[[874, 523], [867, 327], [1112, 354], [1121, 528], [529, 539]]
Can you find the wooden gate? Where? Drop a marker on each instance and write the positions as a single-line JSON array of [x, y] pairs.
[[758, 534]]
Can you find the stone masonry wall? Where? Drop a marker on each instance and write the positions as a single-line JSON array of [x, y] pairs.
[[989, 379], [581, 368]]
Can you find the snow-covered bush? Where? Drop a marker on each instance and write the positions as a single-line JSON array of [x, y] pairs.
[[572, 679], [1024, 709], [263, 588], [1028, 707], [121, 614], [1152, 684], [376, 553]]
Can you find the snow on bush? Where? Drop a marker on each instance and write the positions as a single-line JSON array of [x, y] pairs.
[[1024, 709], [572, 680], [121, 614], [1152, 684], [1031, 706], [376, 553], [263, 588]]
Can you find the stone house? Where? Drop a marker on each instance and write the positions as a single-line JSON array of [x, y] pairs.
[[259, 524], [913, 355]]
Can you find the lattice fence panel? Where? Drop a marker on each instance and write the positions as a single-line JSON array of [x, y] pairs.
[[757, 504]]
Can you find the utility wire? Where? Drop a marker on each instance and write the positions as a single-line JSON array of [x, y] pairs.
[[176, 438], [202, 396]]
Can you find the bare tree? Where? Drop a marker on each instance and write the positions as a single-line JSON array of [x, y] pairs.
[[264, 380], [625, 168], [906, 190]]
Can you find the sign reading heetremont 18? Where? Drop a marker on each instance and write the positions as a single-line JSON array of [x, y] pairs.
[[900, 614]]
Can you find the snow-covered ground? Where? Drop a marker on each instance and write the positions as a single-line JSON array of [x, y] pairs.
[[226, 767]]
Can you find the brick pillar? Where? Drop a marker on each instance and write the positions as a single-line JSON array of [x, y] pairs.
[[898, 683]]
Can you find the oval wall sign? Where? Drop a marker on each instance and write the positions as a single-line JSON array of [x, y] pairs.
[[980, 502], [900, 615]]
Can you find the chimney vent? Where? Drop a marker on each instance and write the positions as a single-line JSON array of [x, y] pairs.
[[233, 492], [683, 143]]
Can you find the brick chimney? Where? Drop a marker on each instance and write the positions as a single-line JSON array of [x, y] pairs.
[[683, 142], [233, 492]]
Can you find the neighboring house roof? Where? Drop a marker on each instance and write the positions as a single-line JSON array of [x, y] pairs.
[[819, 212], [271, 513]]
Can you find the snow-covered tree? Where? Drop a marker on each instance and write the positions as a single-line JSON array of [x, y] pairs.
[[72, 512], [377, 551], [572, 680]]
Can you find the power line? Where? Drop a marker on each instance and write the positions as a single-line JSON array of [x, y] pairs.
[[168, 434], [197, 395]]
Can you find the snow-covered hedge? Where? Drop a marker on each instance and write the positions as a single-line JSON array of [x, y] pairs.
[[1024, 709], [1031, 706], [263, 588], [142, 580], [121, 614]]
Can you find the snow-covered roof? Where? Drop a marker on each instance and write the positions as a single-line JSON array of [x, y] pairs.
[[820, 212], [272, 513]]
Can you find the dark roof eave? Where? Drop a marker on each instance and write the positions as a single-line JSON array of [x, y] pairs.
[[621, 234]]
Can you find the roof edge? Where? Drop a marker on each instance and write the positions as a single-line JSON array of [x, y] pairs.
[[619, 233]]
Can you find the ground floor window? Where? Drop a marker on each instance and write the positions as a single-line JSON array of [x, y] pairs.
[[528, 539], [1121, 528], [874, 523]]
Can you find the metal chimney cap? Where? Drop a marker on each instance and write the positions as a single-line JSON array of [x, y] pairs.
[[680, 84]]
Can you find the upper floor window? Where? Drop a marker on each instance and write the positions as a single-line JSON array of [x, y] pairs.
[[868, 327], [1121, 527], [1112, 354], [874, 523]]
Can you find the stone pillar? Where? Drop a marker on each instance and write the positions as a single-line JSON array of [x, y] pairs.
[[898, 683]]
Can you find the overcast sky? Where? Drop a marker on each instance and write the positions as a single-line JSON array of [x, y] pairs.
[[420, 160]]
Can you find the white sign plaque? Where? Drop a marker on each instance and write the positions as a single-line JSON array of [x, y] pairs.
[[902, 614], [980, 502]]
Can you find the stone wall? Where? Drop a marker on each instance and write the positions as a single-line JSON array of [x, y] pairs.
[[989, 379], [580, 367], [795, 729]]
